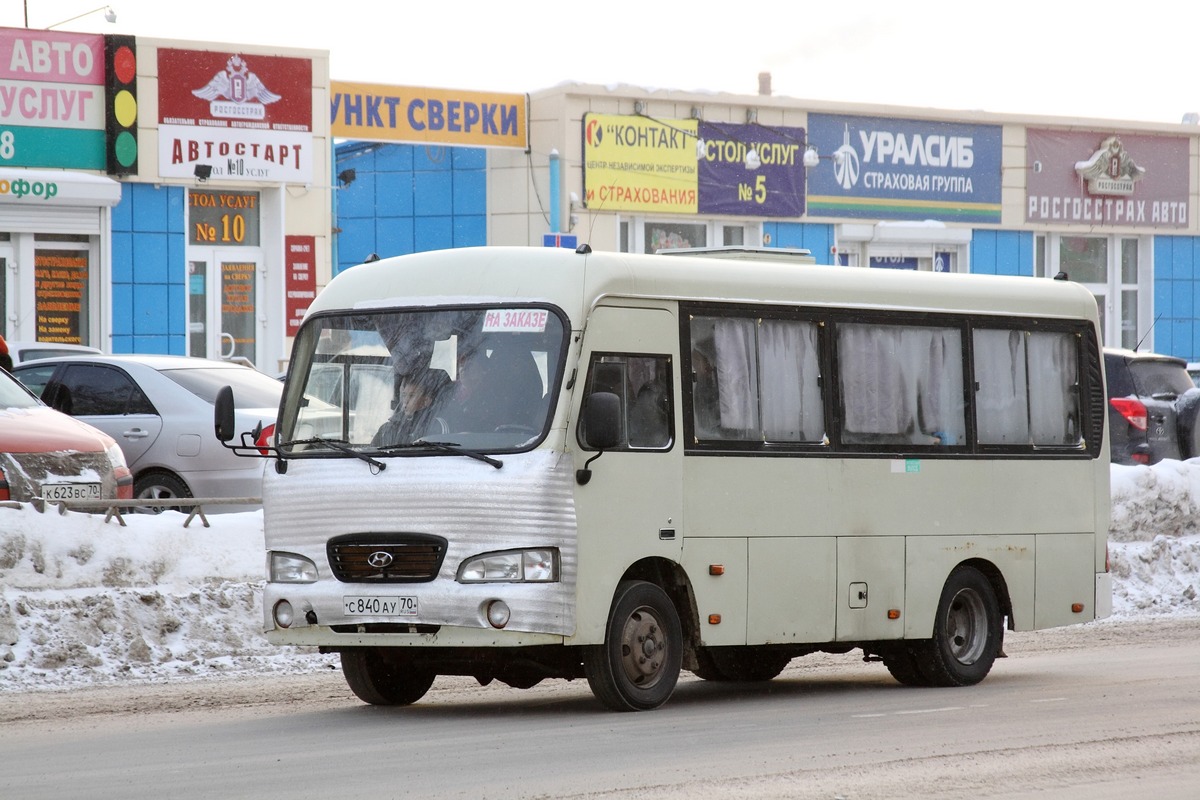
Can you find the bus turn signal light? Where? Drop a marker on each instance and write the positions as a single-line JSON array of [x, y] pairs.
[[714, 619], [716, 569], [1077, 608], [893, 613]]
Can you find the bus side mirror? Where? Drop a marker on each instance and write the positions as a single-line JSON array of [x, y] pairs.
[[223, 421], [601, 428], [602, 420]]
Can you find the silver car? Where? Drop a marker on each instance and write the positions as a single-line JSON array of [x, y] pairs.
[[31, 351], [159, 409]]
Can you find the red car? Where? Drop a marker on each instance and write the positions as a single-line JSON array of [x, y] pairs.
[[47, 454]]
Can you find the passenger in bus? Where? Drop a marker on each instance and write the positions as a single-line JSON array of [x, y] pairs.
[[499, 391], [419, 399], [648, 423]]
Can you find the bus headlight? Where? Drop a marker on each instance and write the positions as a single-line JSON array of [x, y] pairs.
[[291, 568], [511, 566]]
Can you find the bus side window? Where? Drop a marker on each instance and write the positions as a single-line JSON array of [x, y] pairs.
[[650, 412], [642, 384], [756, 380], [901, 385]]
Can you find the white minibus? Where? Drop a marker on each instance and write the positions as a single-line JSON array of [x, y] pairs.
[[522, 463]]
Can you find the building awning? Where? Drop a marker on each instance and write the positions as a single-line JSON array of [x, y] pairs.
[[46, 187]]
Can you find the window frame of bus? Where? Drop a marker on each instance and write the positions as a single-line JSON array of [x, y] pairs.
[[596, 358], [1089, 381]]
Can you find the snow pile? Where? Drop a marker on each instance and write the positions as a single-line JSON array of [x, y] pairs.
[[84, 601], [1154, 542]]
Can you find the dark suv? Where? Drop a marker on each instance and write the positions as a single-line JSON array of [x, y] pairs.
[[1152, 407]]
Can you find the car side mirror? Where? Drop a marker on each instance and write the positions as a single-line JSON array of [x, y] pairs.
[[601, 428], [223, 420]]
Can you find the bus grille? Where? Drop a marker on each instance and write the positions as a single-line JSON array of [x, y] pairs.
[[386, 558]]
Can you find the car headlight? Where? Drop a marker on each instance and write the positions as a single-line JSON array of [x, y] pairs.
[[291, 568], [511, 566], [115, 455]]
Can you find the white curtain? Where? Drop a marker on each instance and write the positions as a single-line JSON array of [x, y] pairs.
[[737, 374], [873, 386], [1002, 402], [902, 382], [792, 409], [1053, 400]]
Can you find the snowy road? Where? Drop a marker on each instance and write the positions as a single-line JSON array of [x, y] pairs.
[[1107, 710]]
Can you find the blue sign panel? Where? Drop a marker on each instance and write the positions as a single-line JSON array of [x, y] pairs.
[[560, 240], [880, 168], [772, 185], [894, 262]]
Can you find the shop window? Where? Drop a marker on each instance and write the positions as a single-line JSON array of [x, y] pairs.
[[663, 235]]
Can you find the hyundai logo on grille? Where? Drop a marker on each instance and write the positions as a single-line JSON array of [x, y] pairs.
[[380, 559]]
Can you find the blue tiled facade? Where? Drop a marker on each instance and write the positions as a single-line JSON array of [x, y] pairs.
[[149, 306], [1177, 296], [814, 237], [1002, 252], [408, 199]]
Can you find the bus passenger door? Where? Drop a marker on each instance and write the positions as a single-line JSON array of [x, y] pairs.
[[631, 507]]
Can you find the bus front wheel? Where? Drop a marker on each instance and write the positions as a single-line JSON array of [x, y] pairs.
[[967, 632], [383, 682], [637, 667]]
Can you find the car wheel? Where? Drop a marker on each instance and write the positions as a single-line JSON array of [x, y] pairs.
[[159, 486]]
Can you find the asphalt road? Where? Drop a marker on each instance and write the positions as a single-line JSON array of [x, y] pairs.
[[1104, 711]]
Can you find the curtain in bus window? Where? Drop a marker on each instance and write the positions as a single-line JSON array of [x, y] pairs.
[[705, 405], [1002, 401], [1053, 399], [737, 378], [937, 363], [792, 409], [874, 390]]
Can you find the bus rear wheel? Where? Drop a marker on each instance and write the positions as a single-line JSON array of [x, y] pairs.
[[381, 681], [967, 632], [637, 667]]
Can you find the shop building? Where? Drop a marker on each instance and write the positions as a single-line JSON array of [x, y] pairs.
[[161, 196], [411, 166], [1110, 203], [180, 197]]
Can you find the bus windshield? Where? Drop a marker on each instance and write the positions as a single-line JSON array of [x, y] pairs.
[[388, 381]]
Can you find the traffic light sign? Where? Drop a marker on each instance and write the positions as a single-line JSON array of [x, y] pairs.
[[120, 104]]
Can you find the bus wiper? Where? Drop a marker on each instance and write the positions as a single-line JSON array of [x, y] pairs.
[[341, 445], [447, 447]]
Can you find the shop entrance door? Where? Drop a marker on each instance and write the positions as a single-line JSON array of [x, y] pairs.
[[225, 288], [1114, 269]]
